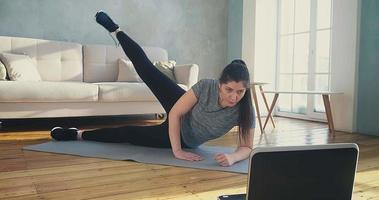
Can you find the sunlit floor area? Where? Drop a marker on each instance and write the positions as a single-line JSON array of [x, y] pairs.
[[36, 175]]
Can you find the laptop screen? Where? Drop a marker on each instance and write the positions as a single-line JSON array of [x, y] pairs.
[[305, 174]]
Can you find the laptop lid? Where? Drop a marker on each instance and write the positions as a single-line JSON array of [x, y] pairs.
[[302, 172]]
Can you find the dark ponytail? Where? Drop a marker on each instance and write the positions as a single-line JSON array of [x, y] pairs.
[[237, 71]]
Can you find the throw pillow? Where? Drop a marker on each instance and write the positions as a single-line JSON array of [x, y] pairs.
[[3, 72], [20, 67], [167, 68], [126, 71]]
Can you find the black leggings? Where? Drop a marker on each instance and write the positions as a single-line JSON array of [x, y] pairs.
[[166, 91]]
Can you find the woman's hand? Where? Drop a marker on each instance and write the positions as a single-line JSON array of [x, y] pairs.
[[185, 155], [224, 159]]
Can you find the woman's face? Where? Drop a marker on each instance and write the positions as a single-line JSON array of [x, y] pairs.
[[231, 93]]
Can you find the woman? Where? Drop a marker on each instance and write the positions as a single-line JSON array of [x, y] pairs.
[[207, 111]]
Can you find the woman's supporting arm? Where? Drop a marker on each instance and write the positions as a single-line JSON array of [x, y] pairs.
[[242, 152], [184, 104]]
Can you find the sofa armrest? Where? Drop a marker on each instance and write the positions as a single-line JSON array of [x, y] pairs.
[[187, 74]]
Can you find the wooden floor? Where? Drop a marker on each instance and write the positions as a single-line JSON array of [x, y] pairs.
[[35, 175]]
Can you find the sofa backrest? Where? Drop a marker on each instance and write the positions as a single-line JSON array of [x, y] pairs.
[[56, 61], [101, 61]]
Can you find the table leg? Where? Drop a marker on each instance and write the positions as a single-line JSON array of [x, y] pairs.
[[257, 107], [271, 109], [265, 101], [328, 111]]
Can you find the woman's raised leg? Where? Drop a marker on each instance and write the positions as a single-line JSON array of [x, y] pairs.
[[166, 91]]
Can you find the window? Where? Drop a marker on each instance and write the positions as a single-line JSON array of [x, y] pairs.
[[303, 55]]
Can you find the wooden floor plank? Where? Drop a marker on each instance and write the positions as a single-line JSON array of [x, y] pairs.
[[37, 175]]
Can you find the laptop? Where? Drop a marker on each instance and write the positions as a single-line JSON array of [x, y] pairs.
[[312, 172]]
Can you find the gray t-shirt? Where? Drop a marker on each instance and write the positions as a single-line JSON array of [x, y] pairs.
[[207, 120]]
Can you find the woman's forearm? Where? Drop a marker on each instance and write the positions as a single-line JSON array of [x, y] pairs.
[[241, 153], [174, 132], [245, 147]]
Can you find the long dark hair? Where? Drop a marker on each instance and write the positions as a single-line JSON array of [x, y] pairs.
[[237, 71]]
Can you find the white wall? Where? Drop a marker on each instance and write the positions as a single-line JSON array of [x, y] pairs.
[[265, 47], [344, 62]]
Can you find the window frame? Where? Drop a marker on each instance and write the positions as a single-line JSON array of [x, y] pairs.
[[310, 114]]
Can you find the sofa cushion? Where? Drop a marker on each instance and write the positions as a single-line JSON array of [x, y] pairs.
[[126, 72], [167, 68], [55, 60], [126, 91], [20, 67], [47, 91], [3, 72], [101, 61]]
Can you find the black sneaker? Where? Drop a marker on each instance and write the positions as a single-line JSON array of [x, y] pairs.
[[103, 19], [64, 134]]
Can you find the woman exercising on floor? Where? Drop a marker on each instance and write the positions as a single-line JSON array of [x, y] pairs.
[[209, 110]]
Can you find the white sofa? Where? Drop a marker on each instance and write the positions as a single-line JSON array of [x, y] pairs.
[[79, 80]]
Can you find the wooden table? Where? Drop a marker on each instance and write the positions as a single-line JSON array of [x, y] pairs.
[[325, 97], [255, 99]]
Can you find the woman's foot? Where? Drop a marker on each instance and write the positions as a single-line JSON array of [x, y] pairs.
[[64, 134], [103, 19]]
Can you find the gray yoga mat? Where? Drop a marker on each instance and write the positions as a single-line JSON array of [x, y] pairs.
[[124, 151]]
